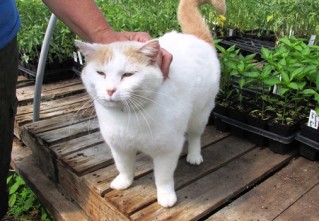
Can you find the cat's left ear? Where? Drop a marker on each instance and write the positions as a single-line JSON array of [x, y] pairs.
[[151, 49], [86, 48]]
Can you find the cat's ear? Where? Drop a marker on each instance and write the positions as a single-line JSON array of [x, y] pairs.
[[86, 48], [150, 49]]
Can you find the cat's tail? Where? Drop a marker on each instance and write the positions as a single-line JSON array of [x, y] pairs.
[[191, 20]]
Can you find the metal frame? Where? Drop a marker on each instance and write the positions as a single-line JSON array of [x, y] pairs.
[[41, 67]]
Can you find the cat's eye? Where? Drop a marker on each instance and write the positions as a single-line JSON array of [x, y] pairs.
[[128, 74], [101, 73]]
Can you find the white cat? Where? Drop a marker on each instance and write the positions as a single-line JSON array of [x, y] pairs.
[[140, 111]]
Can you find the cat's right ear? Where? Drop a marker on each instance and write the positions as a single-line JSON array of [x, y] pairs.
[[86, 48]]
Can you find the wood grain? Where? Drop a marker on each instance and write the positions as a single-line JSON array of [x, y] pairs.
[[212, 191], [268, 200]]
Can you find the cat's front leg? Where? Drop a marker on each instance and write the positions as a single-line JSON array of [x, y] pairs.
[[164, 167], [125, 164]]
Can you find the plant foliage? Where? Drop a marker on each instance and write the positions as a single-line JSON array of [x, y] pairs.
[[23, 203]]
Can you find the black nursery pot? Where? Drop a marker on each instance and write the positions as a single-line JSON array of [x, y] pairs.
[[256, 138], [283, 129], [308, 152], [220, 109], [282, 148], [309, 132], [221, 125]]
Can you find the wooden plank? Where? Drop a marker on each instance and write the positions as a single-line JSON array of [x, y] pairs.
[[76, 104], [22, 81], [71, 146], [61, 208], [89, 159], [56, 122], [50, 91], [306, 208], [69, 132], [93, 204], [214, 190], [273, 196], [48, 105], [89, 190], [143, 191]]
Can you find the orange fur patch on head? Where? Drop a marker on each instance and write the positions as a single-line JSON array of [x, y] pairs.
[[133, 55], [103, 55]]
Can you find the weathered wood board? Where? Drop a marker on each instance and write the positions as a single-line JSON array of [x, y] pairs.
[[57, 98], [306, 208], [59, 206], [50, 91], [212, 191], [270, 199]]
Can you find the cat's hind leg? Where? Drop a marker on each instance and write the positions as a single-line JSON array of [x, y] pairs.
[[194, 156], [125, 164], [195, 130]]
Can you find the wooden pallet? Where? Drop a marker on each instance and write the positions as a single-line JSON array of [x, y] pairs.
[[57, 98], [237, 181], [81, 163]]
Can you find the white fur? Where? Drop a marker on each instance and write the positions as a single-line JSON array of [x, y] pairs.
[[175, 106]]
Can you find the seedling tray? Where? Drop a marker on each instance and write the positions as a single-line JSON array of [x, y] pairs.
[[258, 131], [308, 148]]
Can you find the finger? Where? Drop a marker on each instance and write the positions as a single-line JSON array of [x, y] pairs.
[[167, 59], [139, 36]]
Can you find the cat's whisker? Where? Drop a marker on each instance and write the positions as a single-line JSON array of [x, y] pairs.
[[154, 92], [83, 110], [148, 100], [142, 111], [138, 102], [128, 109], [135, 114]]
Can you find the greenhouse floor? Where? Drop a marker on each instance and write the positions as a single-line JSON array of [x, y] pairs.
[[65, 161]]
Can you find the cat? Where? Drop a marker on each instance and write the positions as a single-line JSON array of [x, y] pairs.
[[139, 110]]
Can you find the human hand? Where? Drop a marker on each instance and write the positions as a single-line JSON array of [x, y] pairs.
[[164, 58]]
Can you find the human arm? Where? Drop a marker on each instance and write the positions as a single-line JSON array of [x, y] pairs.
[[87, 21]]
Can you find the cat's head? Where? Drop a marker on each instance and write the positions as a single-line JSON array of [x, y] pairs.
[[121, 74]]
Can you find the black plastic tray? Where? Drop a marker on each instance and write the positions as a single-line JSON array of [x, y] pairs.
[[256, 130]]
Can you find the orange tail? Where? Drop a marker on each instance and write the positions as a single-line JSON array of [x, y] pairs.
[[192, 22]]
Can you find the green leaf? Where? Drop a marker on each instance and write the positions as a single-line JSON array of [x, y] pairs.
[[250, 57], [241, 82], [253, 74], [306, 51], [293, 85], [283, 90], [265, 53], [269, 18], [12, 200], [19, 182], [241, 67], [285, 41], [295, 73], [284, 76], [309, 92], [271, 81], [283, 62]]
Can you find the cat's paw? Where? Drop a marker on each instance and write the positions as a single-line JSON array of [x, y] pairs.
[[121, 183], [166, 199], [194, 159]]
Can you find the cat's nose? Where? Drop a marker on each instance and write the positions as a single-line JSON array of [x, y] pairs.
[[111, 91]]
